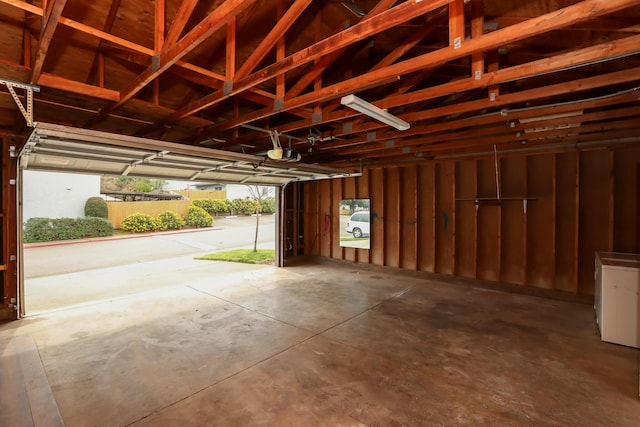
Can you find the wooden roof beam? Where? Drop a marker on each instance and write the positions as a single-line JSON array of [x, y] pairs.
[[381, 22], [527, 95], [327, 60], [125, 44], [581, 57], [108, 25], [49, 24], [166, 58], [522, 96], [626, 127], [179, 22], [491, 119], [496, 130], [276, 33]]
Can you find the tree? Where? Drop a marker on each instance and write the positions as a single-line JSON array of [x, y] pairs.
[[131, 184], [258, 193]]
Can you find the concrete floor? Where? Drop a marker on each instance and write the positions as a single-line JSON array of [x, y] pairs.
[[320, 345]]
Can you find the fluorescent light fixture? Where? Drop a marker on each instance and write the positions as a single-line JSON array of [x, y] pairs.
[[374, 112]]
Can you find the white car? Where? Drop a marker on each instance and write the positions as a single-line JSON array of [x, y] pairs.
[[359, 224]]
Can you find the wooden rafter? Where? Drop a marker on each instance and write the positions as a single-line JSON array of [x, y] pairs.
[[113, 10], [456, 23], [553, 20], [49, 24], [179, 22], [165, 59], [484, 120], [499, 133], [379, 23], [329, 59], [276, 33]]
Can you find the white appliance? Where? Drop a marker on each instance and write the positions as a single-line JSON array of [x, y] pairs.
[[616, 297]]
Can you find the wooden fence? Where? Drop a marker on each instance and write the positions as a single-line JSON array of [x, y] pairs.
[[202, 194], [120, 210]]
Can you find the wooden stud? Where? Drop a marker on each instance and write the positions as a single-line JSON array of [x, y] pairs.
[[26, 48], [331, 207], [384, 215], [456, 23], [399, 212], [294, 215], [416, 216], [477, 30], [576, 252], [320, 218], [280, 54], [434, 199], [372, 236], [525, 226], [179, 22], [158, 34], [452, 221], [156, 91], [554, 204], [49, 24], [230, 62], [611, 200], [475, 223], [101, 69], [336, 202]]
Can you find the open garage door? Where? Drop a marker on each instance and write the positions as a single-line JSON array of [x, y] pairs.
[[66, 149], [57, 148]]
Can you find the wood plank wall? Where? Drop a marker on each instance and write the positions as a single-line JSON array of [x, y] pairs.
[[8, 234], [424, 220]]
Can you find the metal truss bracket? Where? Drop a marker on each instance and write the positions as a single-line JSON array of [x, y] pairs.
[[27, 111]]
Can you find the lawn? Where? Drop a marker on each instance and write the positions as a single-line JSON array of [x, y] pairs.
[[247, 256]]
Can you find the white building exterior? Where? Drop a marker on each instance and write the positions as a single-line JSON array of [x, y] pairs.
[[57, 195]]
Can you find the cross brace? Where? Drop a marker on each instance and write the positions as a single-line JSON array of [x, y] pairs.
[[27, 112]]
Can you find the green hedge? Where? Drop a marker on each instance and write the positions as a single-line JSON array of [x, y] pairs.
[[139, 223], [96, 207], [169, 220], [268, 205], [244, 206], [212, 206], [50, 229], [198, 217]]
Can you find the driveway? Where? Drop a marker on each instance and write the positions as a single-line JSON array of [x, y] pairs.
[[41, 260], [63, 274]]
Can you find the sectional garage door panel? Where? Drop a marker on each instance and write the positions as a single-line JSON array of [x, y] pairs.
[[61, 148]]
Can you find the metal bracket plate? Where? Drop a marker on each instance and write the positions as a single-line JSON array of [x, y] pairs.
[[26, 110]]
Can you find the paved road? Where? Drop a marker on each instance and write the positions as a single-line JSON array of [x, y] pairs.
[[227, 233]]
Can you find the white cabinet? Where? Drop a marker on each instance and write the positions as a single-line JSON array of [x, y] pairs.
[[616, 297]]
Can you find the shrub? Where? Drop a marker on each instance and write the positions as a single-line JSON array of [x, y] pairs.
[[139, 223], [49, 229], [97, 227], [169, 220], [268, 205], [212, 206], [220, 206], [205, 204], [198, 217], [39, 230], [244, 206], [96, 207]]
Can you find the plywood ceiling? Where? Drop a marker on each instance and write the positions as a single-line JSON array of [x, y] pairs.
[[469, 75]]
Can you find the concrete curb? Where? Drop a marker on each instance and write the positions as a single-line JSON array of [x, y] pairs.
[[123, 237]]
